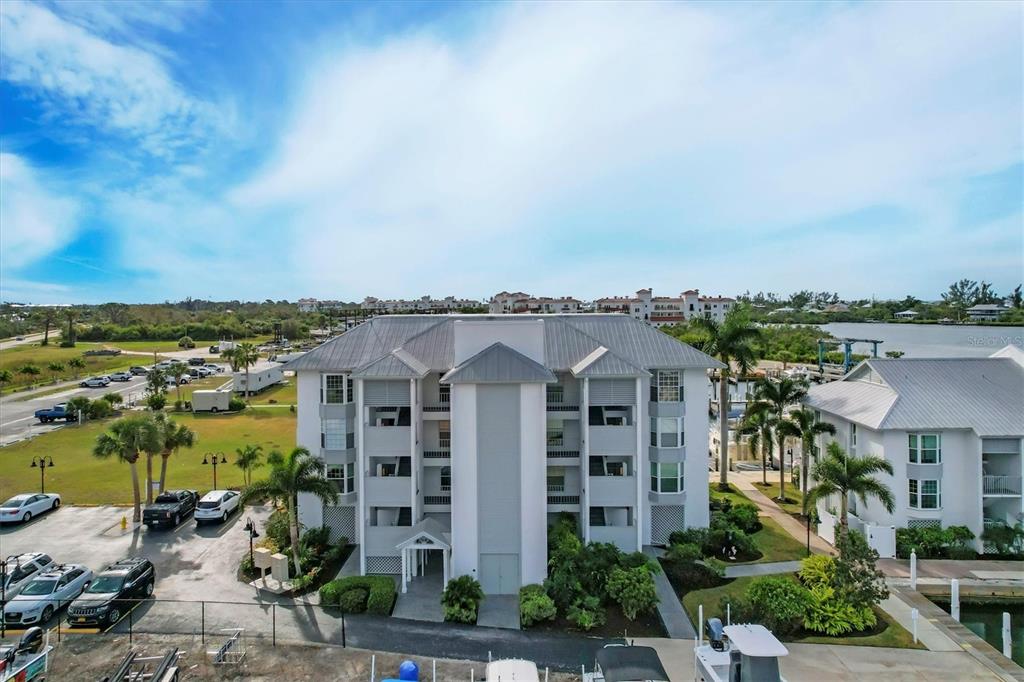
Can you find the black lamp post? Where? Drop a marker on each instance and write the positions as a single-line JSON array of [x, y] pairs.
[[250, 528], [42, 462], [211, 458]]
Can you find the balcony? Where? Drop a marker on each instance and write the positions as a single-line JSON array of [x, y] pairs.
[[388, 491], [386, 439], [1001, 485], [613, 491], [623, 537], [559, 500], [563, 457], [442, 502], [437, 455], [612, 440], [383, 540], [563, 407]]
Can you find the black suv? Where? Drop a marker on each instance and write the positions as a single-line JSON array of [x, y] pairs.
[[197, 362], [169, 508], [113, 592]]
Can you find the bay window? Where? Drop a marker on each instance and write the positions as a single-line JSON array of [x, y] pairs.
[[924, 494], [667, 432], [446, 479], [666, 386], [666, 477], [343, 476], [333, 435], [924, 448], [334, 389]]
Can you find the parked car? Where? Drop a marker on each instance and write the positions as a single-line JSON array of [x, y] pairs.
[[19, 338], [185, 379], [214, 368], [169, 508], [197, 361], [96, 382], [58, 411], [121, 376], [198, 372], [113, 592], [138, 371], [51, 589], [21, 569], [215, 349], [24, 507], [217, 505]]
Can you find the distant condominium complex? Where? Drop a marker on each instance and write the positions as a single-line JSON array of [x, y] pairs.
[[464, 436], [655, 310], [506, 303], [424, 304]]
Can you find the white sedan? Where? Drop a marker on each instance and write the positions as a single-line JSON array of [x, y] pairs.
[[24, 507], [51, 589], [217, 505], [96, 382]]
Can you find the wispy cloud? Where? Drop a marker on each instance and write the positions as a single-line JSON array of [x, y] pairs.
[[34, 219]]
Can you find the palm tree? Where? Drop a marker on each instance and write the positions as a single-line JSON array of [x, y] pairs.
[[249, 458], [757, 423], [47, 316], [127, 439], [70, 314], [806, 427], [174, 436], [299, 472], [77, 364], [837, 473], [5, 377], [731, 341], [246, 355], [177, 370], [29, 370], [780, 394], [56, 368]]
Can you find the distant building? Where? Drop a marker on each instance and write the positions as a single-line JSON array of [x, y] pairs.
[[665, 310], [312, 305], [837, 308], [986, 311], [784, 310], [424, 304], [906, 315], [507, 303]]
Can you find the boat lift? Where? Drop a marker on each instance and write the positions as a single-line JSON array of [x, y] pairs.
[[847, 345]]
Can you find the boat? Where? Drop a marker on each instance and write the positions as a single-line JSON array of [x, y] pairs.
[[27, 660], [622, 663], [738, 653], [512, 670]]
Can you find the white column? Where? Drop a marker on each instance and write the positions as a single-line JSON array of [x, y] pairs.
[[532, 481], [360, 477], [446, 558], [638, 465], [954, 599], [405, 569], [913, 570], [585, 460], [414, 461]]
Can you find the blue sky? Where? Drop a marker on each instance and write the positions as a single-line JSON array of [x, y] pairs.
[[154, 151]]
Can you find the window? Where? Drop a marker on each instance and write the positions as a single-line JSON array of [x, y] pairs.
[[669, 390], [853, 439], [556, 394], [333, 436], [446, 479], [343, 475], [667, 432], [925, 494], [349, 384], [444, 394], [334, 389], [924, 448], [444, 434], [666, 478], [556, 434]]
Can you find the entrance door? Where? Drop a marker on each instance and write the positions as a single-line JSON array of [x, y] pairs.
[[499, 573]]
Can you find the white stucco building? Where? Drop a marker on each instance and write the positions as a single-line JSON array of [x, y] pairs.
[[951, 428], [465, 435]]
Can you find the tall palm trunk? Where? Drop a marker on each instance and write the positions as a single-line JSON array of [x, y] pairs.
[[149, 478], [805, 463], [177, 387], [782, 467], [247, 380], [843, 521], [764, 463], [137, 514], [293, 530], [46, 332], [723, 429], [164, 456]]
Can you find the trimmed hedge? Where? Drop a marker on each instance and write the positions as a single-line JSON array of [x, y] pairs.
[[380, 590]]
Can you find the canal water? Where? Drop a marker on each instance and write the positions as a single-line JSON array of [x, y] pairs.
[[985, 619], [928, 340]]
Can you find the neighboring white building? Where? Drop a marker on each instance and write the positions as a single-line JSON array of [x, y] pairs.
[[667, 310], [465, 436], [312, 305], [506, 303], [906, 315], [424, 304], [986, 311], [951, 428]]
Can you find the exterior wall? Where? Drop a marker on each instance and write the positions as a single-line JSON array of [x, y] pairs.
[[307, 435], [533, 488], [696, 426], [464, 477]]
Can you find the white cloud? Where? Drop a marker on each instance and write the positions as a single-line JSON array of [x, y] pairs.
[[35, 219], [88, 80], [452, 160]]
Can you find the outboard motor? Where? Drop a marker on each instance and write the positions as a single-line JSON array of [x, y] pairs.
[[31, 642], [716, 633]]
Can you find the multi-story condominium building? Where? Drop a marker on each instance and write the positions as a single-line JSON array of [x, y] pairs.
[[665, 310], [424, 304], [312, 305], [505, 303], [986, 311], [951, 428], [467, 434]]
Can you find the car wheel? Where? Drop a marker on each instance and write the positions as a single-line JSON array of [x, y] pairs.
[[214, 409], [177, 519], [149, 589], [27, 517], [224, 519], [114, 616], [56, 504], [47, 613]]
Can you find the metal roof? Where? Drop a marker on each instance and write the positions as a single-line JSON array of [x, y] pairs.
[[499, 364], [604, 363], [982, 394], [392, 366], [568, 339]]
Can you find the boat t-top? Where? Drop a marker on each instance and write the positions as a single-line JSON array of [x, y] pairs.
[[738, 653]]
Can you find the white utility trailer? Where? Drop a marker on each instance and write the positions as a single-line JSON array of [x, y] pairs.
[[211, 400]]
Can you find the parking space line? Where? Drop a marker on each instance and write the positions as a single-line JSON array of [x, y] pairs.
[[113, 625]]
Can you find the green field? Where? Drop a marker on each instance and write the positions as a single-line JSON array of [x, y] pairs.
[[169, 346], [793, 493], [775, 544], [33, 354], [281, 394], [82, 479]]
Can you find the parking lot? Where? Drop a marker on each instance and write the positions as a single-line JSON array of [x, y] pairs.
[[191, 563]]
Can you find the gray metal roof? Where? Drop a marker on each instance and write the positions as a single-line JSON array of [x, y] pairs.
[[985, 395], [499, 364], [392, 366], [568, 339], [604, 363]]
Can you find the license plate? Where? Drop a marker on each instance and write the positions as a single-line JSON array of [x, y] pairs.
[[81, 619]]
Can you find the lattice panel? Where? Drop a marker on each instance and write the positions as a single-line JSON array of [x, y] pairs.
[[924, 523], [384, 564], [342, 522], [665, 520]]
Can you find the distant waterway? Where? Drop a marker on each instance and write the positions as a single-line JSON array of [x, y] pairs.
[[928, 340], [985, 619]]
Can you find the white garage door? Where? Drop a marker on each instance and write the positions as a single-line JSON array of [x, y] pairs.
[[499, 573]]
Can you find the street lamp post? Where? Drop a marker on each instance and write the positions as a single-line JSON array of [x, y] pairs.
[[250, 528], [211, 458], [42, 462]]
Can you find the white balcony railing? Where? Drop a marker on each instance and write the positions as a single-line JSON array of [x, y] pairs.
[[1000, 485]]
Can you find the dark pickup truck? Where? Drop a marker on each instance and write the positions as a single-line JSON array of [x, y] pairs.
[[59, 411], [169, 508]]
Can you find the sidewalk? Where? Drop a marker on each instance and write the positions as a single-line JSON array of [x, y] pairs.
[[769, 568], [673, 615], [745, 483]]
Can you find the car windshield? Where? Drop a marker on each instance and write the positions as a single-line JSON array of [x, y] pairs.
[[209, 505], [37, 587], [166, 499], [13, 502], [105, 584]]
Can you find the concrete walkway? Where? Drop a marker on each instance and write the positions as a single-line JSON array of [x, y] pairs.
[[670, 608], [946, 569], [768, 568], [422, 601], [745, 483], [499, 611]]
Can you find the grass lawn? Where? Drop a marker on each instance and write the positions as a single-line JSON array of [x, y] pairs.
[[281, 394], [167, 346], [205, 384], [82, 479], [33, 354], [792, 493], [888, 633], [734, 495], [775, 544]]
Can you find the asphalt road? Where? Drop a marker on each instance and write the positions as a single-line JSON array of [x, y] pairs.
[[28, 338]]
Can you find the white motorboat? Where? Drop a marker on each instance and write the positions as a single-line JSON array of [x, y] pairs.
[[621, 663], [512, 670], [738, 653]]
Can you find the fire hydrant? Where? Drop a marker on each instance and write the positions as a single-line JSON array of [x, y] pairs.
[[124, 522]]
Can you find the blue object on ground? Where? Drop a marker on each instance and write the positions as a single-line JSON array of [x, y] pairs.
[[409, 671]]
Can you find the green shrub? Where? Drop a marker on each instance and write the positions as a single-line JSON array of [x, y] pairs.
[[724, 537], [817, 569], [1005, 539], [156, 401], [328, 593], [932, 542], [461, 599], [587, 614], [780, 604], [353, 601], [744, 516], [535, 605], [236, 404], [683, 552], [829, 614], [277, 529], [113, 398], [633, 590], [690, 536], [186, 342], [98, 409], [380, 590], [693, 575], [857, 579]]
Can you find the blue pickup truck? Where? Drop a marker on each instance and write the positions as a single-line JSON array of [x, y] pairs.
[[59, 411]]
